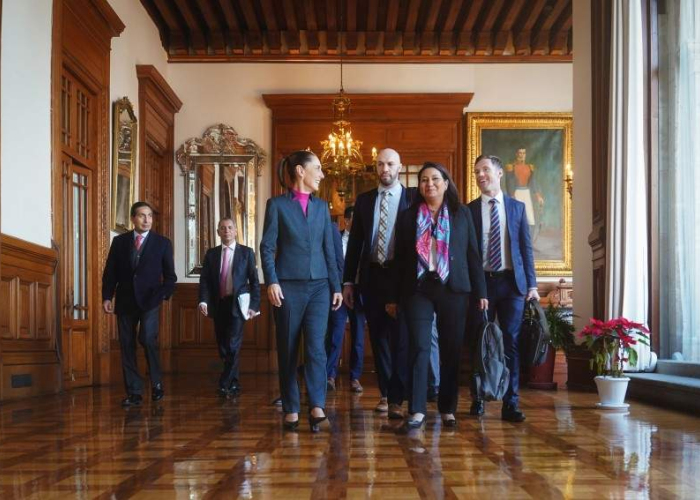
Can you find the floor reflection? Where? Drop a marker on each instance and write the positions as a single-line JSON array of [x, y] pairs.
[[194, 445]]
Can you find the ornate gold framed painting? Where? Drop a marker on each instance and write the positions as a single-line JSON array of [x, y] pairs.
[[123, 164], [536, 150]]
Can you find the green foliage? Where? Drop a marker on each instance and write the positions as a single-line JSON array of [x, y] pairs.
[[561, 330]]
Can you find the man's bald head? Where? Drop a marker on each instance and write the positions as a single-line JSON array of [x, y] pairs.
[[388, 167]]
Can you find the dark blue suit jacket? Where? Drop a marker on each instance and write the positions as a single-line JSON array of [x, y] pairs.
[[520, 244], [245, 278], [359, 252], [298, 247], [143, 287], [338, 247]]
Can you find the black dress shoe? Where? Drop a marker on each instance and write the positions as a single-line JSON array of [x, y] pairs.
[[449, 422], [235, 389], [315, 422], [477, 408], [223, 393], [511, 413], [277, 402], [158, 392], [132, 400]]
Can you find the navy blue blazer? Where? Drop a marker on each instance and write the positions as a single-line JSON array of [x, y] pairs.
[[466, 266], [338, 247], [298, 247], [359, 252], [143, 287], [520, 244], [245, 278]]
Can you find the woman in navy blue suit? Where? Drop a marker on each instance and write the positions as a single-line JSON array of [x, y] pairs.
[[298, 261]]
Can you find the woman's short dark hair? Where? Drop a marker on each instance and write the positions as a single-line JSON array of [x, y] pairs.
[[137, 205], [451, 195], [286, 169]]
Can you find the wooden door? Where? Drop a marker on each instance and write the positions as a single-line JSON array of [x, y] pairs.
[[78, 222]]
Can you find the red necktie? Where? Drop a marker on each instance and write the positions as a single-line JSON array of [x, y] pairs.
[[138, 241], [225, 264]]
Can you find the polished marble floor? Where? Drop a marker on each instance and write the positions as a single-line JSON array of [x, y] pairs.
[[193, 445]]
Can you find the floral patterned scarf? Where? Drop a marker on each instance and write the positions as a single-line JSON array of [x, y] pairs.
[[425, 232]]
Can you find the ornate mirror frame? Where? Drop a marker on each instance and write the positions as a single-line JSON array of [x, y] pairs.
[[218, 167], [124, 139]]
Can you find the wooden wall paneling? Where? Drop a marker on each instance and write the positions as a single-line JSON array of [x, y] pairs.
[[158, 104], [601, 15], [420, 127], [30, 363], [81, 39], [194, 342]]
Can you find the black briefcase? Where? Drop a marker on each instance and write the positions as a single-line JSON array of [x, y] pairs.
[[534, 334]]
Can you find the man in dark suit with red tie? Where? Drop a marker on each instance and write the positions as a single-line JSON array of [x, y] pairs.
[[141, 270], [504, 241], [228, 273]]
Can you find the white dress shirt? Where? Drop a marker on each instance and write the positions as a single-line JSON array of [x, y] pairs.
[[506, 259]]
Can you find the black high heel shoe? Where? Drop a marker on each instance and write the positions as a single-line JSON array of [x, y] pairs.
[[315, 422], [289, 425]]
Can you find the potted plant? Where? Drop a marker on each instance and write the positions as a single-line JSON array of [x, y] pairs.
[[612, 345], [561, 337]]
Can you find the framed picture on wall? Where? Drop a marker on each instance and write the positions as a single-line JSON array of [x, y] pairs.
[[536, 151]]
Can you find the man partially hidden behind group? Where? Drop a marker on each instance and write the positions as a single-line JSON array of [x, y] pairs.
[[140, 269], [228, 274]]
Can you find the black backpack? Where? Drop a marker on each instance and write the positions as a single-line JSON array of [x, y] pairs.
[[491, 373], [534, 334]]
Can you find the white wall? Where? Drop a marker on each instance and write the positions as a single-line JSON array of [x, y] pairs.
[[583, 217], [26, 120], [232, 94], [139, 43]]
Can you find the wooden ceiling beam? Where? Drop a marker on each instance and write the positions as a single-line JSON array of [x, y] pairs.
[[559, 34], [272, 34], [504, 30], [234, 38], [217, 26], [447, 37], [163, 30], [253, 36], [465, 39], [540, 38], [350, 16], [484, 41], [432, 16], [198, 38], [522, 33], [372, 14], [391, 37], [177, 34], [290, 15], [411, 41]]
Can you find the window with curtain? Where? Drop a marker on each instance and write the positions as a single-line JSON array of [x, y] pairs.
[[679, 178]]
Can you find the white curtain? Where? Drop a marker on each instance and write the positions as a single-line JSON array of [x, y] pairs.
[[679, 178], [627, 253]]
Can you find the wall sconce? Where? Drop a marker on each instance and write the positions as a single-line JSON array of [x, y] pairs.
[[569, 180]]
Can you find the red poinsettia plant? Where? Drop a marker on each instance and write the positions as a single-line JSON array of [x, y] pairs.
[[612, 344]]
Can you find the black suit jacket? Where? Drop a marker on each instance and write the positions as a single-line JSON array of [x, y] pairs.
[[520, 244], [295, 246], [245, 278], [143, 286], [466, 268], [359, 251]]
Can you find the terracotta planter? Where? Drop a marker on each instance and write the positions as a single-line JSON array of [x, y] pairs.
[[579, 373], [542, 377]]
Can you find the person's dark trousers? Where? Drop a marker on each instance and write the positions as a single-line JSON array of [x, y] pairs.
[[147, 324], [389, 338], [434, 298], [357, 336], [507, 304], [228, 325], [334, 340], [305, 306]]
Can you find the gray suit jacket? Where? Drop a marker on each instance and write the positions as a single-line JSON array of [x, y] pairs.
[[298, 247]]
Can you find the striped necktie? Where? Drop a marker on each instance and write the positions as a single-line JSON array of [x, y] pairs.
[[494, 256], [382, 236]]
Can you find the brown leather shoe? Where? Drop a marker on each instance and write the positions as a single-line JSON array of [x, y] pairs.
[[395, 412], [355, 386], [382, 406]]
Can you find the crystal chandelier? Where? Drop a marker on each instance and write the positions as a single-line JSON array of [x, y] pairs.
[[341, 158]]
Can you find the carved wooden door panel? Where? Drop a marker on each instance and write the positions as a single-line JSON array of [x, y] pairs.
[[78, 217]]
